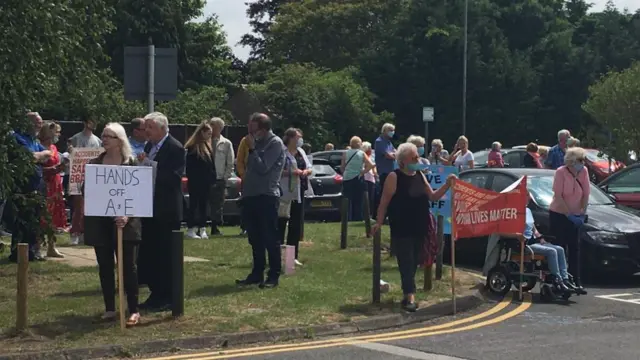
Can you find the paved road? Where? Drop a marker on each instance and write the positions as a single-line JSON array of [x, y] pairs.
[[604, 324]]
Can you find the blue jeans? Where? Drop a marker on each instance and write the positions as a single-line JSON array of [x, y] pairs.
[[555, 258]]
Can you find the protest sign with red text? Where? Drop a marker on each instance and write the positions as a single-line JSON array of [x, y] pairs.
[[77, 160], [480, 212]]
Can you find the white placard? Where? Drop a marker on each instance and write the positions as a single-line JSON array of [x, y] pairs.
[[118, 191], [428, 114]]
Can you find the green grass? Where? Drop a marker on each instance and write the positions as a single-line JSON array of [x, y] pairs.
[[333, 285]]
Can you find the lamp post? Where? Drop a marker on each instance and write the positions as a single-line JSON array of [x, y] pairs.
[[464, 67]]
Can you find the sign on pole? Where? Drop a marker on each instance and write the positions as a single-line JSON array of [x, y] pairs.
[[437, 177], [78, 158], [112, 191], [428, 114], [137, 72]]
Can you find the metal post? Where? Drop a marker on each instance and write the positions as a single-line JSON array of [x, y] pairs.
[[464, 67], [344, 222], [177, 273], [366, 213], [21, 298], [376, 268], [151, 70], [426, 136], [440, 236]]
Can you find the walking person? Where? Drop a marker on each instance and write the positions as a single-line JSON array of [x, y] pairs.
[[222, 151], [84, 139], [57, 221], [155, 250], [294, 184], [201, 173], [100, 232], [406, 195], [260, 198], [354, 165]]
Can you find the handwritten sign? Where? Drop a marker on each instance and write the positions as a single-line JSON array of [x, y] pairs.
[[78, 158], [118, 191], [480, 212], [437, 177]]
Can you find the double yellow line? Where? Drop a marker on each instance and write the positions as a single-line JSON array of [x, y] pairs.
[[447, 328]]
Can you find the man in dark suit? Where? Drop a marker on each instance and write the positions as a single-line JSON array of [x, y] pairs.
[[168, 155]]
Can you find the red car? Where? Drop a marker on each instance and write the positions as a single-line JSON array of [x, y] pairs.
[[599, 166], [624, 186]]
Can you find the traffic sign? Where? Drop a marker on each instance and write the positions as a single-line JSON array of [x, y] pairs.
[[428, 114]]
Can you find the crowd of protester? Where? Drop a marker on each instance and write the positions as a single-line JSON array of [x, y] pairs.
[[275, 176]]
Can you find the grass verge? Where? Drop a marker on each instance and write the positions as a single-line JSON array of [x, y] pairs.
[[333, 285]]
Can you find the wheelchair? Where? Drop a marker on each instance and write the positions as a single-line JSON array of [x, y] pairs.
[[505, 274]]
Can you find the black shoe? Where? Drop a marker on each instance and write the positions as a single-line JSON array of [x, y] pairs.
[[215, 231], [569, 284], [269, 284], [249, 281], [577, 287], [409, 306]]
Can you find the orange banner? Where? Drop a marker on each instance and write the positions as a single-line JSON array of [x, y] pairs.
[[479, 212]]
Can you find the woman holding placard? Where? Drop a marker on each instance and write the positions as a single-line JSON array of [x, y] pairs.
[[101, 233]]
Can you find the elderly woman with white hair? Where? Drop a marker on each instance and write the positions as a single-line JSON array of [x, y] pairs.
[[438, 154], [354, 165], [571, 190], [370, 177], [419, 142], [407, 194], [494, 159]]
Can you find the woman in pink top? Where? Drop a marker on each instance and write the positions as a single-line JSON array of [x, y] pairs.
[[571, 190]]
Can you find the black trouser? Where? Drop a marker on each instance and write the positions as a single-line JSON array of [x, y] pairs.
[[371, 192], [261, 216], [198, 205], [354, 191], [383, 178], [155, 258], [26, 223], [217, 197], [407, 250], [295, 222], [106, 267], [566, 235]]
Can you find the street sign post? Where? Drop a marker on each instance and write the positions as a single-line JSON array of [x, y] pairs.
[[428, 115]]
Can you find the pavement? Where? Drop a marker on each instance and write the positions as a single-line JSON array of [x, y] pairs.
[[86, 257], [605, 324]]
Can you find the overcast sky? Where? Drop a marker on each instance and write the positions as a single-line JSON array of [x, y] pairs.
[[233, 18]]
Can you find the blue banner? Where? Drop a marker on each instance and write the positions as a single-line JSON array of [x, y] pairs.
[[437, 177]]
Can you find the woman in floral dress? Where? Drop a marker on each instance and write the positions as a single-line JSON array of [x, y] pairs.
[[48, 136]]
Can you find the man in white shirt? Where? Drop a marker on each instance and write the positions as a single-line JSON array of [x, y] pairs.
[[223, 156]]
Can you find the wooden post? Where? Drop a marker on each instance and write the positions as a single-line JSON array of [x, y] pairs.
[[428, 278], [376, 268], [366, 213], [345, 222], [121, 301], [177, 273], [21, 300], [440, 237]]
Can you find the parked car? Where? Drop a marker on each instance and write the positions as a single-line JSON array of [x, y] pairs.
[[624, 186], [480, 158], [327, 188], [599, 165], [231, 211], [610, 240], [334, 157]]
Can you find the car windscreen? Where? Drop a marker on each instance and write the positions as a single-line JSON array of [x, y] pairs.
[[321, 170], [541, 189], [481, 157]]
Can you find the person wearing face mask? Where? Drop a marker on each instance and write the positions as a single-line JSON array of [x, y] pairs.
[[385, 155], [462, 158], [354, 165], [438, 155], [567, 210], [555, 157], [407, 194], [49, 136], [370, 177]]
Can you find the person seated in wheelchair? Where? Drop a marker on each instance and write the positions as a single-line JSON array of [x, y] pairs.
[[554, 254]]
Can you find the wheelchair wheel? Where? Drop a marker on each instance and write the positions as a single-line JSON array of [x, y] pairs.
[[498, 281], [529, 284]]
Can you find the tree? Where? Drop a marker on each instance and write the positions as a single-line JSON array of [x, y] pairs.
[[327, 106], [261, 13], [614, 103], [195, 105]]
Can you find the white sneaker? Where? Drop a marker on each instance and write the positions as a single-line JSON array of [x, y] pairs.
[[298, 263], [203, 233], [75, 240], [191, 234]]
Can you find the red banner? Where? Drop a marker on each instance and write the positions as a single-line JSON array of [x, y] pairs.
[[479, 212]]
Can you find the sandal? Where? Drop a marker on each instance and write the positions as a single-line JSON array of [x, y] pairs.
[[133, 320]]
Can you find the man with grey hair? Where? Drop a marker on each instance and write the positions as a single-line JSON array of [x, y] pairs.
[[168, 155], [223, 156], [260, 197], [385, 155], [555, 159]]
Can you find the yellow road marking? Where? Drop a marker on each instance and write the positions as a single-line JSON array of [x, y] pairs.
[[338, 341], [520, 309]]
